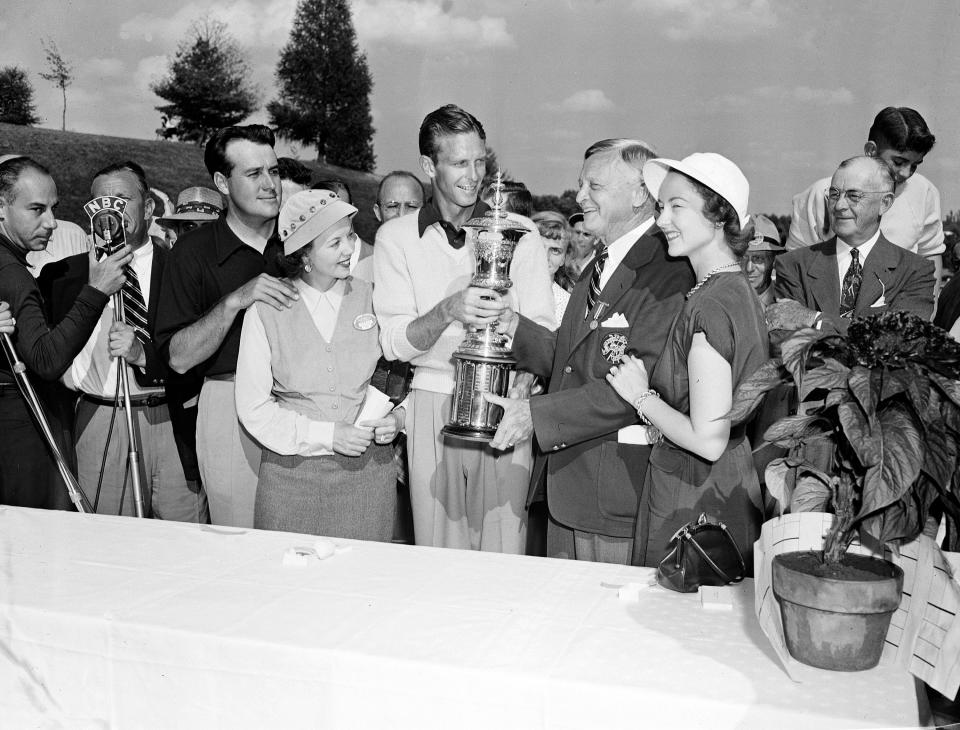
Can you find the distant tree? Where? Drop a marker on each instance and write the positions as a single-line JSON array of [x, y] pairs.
[[493, 165], [207, 86], [565, 203], [16, 97], [60, 73], [324, 86]]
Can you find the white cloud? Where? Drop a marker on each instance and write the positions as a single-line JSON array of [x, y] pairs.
[[585, 100], [150, 69], [429, 24], [802, 95], [101, 68], [718, 20], [252, 24]]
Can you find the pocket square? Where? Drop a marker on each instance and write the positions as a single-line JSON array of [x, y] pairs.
[[881, 302], [615, 320]]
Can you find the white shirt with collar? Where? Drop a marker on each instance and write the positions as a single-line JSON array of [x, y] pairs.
[[279, 429], [844, 258], [93, 371], [618, 250]]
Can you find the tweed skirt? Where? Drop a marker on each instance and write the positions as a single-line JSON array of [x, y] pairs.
[[335, 496]]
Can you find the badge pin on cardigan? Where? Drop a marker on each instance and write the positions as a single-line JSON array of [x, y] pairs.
[[364, 322]]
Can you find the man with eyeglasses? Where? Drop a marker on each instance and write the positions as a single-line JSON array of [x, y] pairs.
[[400, 193], [901, 138], [858, 271]]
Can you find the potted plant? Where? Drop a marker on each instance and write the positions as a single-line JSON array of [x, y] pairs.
[[877, 444]]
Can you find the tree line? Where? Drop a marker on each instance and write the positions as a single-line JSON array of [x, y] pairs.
[[323, 86]]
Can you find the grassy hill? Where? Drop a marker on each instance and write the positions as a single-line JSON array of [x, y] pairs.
[[73, 157]]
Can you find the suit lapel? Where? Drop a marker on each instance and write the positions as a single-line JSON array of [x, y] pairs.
[[640, 253], [825, 284], [883, 258]]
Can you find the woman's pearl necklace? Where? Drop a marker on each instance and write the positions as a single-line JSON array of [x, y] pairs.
[[714, 270]]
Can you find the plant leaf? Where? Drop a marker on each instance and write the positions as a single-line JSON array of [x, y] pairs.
[[794, 351], [902, 457], [950, 388], [831, 374], [862, 388], [751, 391], [811, 494], [790, 430], [940, 454], [890, 382], [858, 432], [779, 481]]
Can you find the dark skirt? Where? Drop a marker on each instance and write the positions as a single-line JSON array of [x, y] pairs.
[[335, 496], [680, 485]]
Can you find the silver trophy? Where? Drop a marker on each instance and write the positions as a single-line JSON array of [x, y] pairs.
[[484, 360]]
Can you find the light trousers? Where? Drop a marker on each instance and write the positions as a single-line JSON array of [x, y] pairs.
[[229, 459], [463, 493]]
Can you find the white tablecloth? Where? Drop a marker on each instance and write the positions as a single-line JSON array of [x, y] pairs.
[[122, 623]]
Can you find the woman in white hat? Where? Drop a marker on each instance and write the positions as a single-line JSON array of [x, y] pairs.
[[703, 462], [302, 377]]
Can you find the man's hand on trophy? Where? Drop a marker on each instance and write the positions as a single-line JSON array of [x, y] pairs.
[[516, 424], [507, 324], [475, 306]]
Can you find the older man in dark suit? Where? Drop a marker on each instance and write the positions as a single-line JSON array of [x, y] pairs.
[[858, 272], [593, 455]]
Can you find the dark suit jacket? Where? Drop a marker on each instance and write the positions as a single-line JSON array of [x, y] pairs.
[[904, 280], [62, 281], [592, 481]]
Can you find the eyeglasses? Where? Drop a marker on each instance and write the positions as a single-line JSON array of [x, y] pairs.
[[853, 196]]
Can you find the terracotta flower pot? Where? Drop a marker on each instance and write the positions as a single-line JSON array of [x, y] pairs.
[[836, 618]]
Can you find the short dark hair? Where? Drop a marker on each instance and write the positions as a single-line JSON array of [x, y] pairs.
[[294, 170], [127, 166], [334, 185], [903, 129], [443, 122], [399, 173], [10, 172], [215, 154], [292, 264], [718, 209]]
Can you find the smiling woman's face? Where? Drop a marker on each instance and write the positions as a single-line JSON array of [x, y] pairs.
[[329, 255]]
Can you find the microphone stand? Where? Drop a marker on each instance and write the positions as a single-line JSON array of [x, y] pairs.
[[133, 453], [77, 496]]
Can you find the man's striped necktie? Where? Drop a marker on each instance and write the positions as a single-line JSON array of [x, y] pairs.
[[594, 292], [134, 307]]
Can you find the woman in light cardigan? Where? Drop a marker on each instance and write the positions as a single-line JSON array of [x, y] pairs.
[[302, 376]]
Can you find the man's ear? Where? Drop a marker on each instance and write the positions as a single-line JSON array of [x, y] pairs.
[[148, 206], [376, 212], [220, 180], [426, 164], [870, 149], [886, 200]]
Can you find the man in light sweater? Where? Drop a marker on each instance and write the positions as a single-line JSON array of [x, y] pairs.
[[464, 494]]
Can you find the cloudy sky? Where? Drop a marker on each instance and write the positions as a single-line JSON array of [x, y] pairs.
[[785, 88]]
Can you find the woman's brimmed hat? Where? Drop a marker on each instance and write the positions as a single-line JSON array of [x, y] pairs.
[[308, 214], [713, 170]]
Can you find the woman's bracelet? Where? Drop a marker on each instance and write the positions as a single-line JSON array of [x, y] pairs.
[[638, 404]]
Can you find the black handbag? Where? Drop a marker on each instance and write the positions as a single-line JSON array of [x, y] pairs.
[[700, 553]]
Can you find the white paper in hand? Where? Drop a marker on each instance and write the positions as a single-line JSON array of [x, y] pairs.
[[376, 404]]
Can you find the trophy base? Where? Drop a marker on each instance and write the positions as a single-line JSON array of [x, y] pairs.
[[468, 433], [471, 417]]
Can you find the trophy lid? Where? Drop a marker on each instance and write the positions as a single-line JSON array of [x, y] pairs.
[[496, 218]]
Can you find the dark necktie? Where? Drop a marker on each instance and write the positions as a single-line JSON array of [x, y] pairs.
[[851, 285], [134, 307], [594, 292]]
